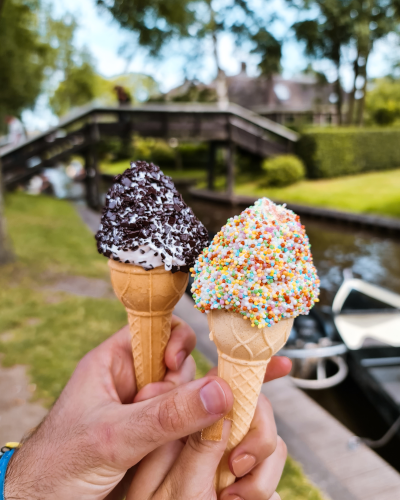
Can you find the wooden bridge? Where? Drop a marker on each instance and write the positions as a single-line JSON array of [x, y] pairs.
[[229, 126]]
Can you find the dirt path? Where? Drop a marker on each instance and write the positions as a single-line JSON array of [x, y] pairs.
[[17, 414]]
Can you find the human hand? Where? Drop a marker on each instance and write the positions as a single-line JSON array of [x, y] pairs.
[[99, 428], [185, 468]]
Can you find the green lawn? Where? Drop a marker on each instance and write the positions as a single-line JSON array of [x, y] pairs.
[[119, 167], [374, 193], [50, 331]]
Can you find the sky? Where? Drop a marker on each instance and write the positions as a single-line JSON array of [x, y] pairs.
[[104, 38]]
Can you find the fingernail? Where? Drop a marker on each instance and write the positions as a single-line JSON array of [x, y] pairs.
[[243, 464], [213, 398], [179, 359]]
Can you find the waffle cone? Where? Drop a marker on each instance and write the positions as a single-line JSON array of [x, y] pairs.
[[243, 355], [149, 298]]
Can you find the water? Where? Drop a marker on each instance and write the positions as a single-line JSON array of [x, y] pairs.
[[336, 247]]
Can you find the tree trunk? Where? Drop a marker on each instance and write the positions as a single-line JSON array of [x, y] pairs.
[[339, 95], [221, 83], [350, 113], [6, 253], [270, 90], [361, 102]]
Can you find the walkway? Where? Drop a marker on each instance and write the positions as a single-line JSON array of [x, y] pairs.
[[314, 438]]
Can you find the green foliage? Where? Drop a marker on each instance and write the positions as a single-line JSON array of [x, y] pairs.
[[24, 57], [282, 170], [200, 22], [196, 94], [270, 51], [77, 89], [155, 21], [335, 152], [383, 102]]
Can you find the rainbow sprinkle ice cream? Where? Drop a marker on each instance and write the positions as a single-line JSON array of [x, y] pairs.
[[259, 265]]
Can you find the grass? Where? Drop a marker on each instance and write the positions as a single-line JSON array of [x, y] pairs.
[[49, 332], [372, 193], [119, 166]]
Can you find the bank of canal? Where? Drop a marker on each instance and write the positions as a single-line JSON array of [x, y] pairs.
[[337, 247]]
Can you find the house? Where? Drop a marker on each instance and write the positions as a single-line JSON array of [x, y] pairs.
[[298, 100]]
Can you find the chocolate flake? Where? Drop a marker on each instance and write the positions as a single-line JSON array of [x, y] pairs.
[[169, 224]]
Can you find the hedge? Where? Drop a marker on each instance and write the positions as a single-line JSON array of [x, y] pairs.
[[345, 151], [282, 170]]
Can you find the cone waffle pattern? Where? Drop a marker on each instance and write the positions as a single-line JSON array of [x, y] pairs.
[[243, 355], [245, 381], [149, 298]]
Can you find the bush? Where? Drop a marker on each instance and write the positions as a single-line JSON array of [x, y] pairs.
[[283, 170], [345, 151]]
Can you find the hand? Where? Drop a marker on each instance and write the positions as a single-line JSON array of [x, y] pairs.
[[99, 428], [181, 470]]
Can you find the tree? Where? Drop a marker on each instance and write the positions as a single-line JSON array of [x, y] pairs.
[[24, 56], [78, 88], [383, 101], [270, 51], [158, 22], [372, 20], [326, 34], [23, 59], [82, 84], [155, 22]]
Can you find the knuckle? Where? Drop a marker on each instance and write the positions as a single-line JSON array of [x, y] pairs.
[[170, 487], [173, 414], [259, 491], [270, 443], [281, 447]]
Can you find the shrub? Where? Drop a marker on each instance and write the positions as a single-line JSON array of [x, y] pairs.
[[344, 151], [283, 170]]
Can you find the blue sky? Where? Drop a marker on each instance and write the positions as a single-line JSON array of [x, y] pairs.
[[103, 37]]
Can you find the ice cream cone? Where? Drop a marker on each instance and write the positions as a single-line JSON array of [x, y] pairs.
[[243, 355], [149, 298]]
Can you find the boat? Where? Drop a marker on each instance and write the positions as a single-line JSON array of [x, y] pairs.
[[367, 318], [360, 334]]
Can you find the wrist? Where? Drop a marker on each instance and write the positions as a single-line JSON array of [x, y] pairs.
[[21, 481], [6, 456]]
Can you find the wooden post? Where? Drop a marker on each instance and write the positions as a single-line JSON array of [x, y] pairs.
[[230, 164], [92, 169], [6, 252], [211, 165]]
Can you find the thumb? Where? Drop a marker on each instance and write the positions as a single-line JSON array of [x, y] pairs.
[[192, 475], [142, 427]]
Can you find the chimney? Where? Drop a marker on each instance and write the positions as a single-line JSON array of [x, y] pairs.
[[243, 70]]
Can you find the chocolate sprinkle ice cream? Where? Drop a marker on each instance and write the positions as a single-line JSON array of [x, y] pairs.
[[145, 222]]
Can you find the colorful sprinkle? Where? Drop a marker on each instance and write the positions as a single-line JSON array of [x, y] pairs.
[[259, 265]]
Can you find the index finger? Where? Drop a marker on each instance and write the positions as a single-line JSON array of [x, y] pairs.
[[180, 345], [278, 367], [259, 443]]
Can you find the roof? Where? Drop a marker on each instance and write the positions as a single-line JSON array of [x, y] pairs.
[[301, 94]]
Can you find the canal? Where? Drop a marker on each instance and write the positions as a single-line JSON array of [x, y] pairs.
[[337, 247]]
